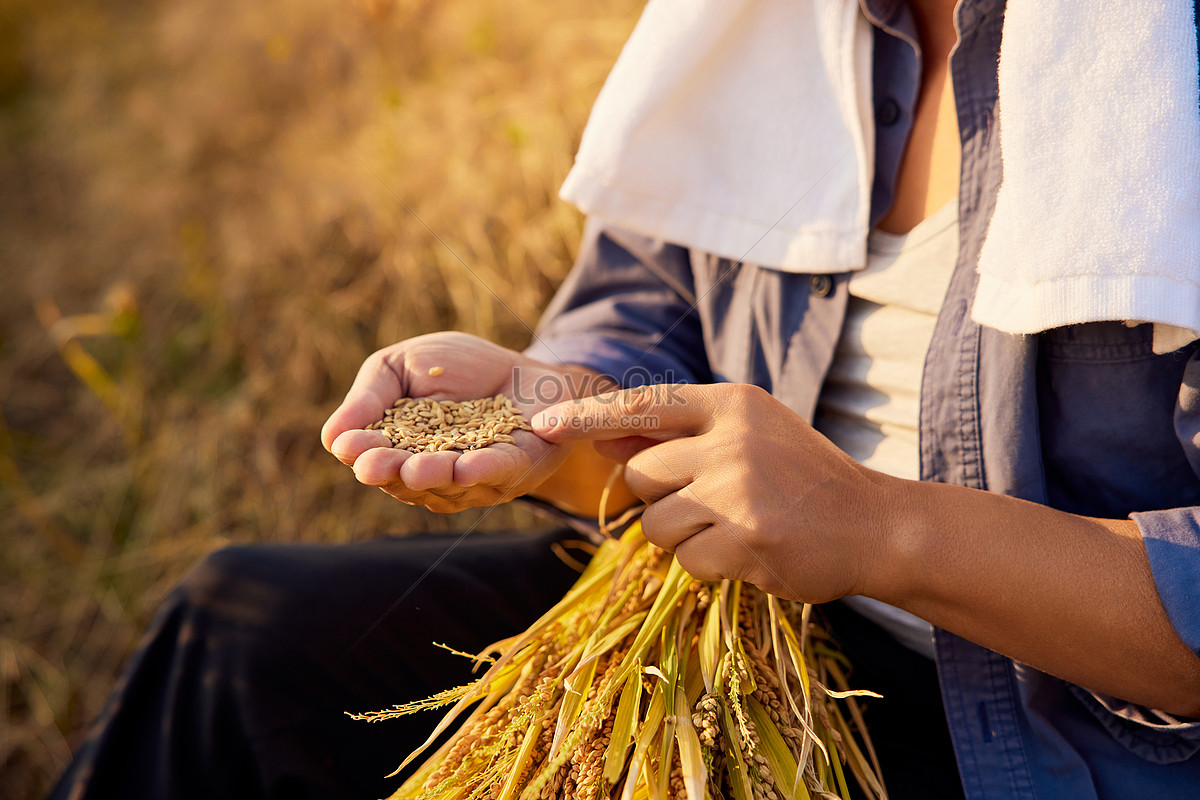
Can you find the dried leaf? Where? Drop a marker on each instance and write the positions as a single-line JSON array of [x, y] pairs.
[[623, 728], [691, 758]]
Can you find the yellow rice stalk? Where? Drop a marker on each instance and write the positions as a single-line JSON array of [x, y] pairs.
[[643, 684]]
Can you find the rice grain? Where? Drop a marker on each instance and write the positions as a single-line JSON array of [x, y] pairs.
[[430, 426]]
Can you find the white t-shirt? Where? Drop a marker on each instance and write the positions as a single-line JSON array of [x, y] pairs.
[[870, 402]]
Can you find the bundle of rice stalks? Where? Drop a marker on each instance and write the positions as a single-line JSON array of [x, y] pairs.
[[644, 683]]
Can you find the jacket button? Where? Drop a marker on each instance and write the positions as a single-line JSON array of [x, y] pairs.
[[820, 285], [887, 113]]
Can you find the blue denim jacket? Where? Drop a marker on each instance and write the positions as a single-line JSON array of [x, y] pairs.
[[1086, 419]]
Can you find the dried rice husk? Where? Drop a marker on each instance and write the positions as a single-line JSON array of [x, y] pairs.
[[644, 683]]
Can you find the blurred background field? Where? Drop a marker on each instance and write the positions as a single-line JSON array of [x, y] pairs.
[[202, 234]]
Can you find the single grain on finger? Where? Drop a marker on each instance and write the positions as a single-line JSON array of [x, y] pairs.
[[429, 426]]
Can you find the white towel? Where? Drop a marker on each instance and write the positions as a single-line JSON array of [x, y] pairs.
[[1098, 216], [743, 127]]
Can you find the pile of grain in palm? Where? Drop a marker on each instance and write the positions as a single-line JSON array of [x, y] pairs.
[[644, 684], [428, 426]]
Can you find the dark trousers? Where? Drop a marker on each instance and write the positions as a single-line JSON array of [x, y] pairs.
[[239, 688], [908, 726]]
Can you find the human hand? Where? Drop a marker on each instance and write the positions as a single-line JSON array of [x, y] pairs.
[[471, 368], [738, 485]]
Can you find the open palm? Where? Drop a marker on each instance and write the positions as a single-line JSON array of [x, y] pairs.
[[470, 368]]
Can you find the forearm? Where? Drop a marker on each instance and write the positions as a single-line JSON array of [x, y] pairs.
[[1069, 595], [577, 486], [793, 514]]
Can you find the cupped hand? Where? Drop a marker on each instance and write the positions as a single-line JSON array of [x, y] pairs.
[[738, 485], [470, 368]]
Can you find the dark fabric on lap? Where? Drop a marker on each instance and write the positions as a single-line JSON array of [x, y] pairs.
[[239, 688], [908, 726]]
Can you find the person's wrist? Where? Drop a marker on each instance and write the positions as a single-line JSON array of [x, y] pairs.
[[897, 546]]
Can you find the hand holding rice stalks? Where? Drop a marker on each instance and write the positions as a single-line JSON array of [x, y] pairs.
[[643, 683]]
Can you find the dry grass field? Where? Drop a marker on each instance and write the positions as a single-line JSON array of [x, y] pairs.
[[202, 234]]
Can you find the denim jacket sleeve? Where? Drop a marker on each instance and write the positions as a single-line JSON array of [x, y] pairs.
[[640, 310], [1118, 437], [1172, 536], [1172, 540], [627, 310]]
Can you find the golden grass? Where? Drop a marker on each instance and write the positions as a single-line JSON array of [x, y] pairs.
[[203, 231]]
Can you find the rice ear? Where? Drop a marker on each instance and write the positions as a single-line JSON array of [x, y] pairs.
[[412, 786], [691, 759], [675, 585], [796, 656], [512, 782], [630, 687], [576, 686], [784, 769], [710, 641], [623, 726], [739, 778], [654, 717]]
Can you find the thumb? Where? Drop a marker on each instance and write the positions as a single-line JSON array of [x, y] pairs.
[[658, 412]]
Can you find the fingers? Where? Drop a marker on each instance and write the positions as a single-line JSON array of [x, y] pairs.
[[662, 411], [379, 466], [674, 519], [705, 556], [497, 466], [348, 446], [430, 472], [447, 504], [444, 481], [658, 471], [682, 524], [705, 546], [421, 479], [408, 476], [375, 388]]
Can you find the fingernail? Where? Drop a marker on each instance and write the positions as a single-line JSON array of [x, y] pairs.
[[546, 420]]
